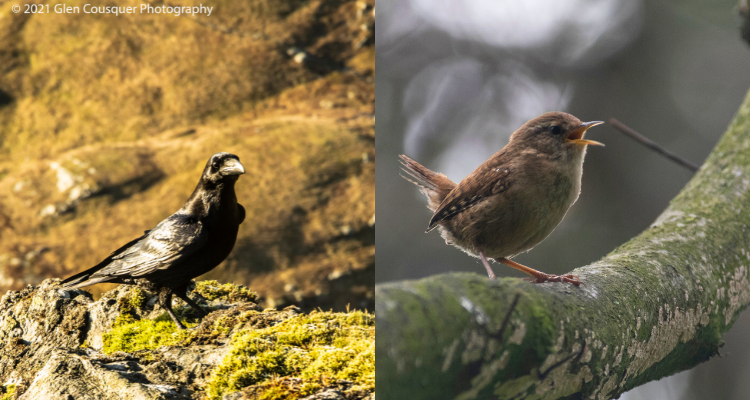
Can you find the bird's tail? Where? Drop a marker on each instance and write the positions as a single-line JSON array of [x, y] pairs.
[[81, 280], [90, 276], [435, 186]]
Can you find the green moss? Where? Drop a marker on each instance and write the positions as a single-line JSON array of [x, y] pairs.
[[123, 319], [226, 323], [128, 306], [137, 299], [129, 333], [316, 348], [308, 388], [212, 290], [7, 392], [543, 327], [144, 335]]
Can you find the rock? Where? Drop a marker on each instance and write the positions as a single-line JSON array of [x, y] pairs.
[[69, 375], [62, 344]]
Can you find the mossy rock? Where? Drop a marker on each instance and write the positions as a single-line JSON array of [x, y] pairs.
[[238, 347], [315, 348], [273, 354], [212, 290]]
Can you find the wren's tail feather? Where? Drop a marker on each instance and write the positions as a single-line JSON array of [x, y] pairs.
[[432, 184]]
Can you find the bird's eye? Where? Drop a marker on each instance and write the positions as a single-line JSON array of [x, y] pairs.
[[555, 129], [215, 165]]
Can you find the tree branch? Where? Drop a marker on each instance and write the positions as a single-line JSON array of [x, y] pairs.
[[638, 137], [655, 306]]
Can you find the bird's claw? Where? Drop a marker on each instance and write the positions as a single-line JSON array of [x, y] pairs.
[[573, 279]]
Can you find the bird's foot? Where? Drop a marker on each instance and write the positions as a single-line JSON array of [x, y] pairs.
[[542, 277], [487, 265], [177, 321]]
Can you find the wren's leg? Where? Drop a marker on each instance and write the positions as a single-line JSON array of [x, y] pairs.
[[181, 292], [540, 277], [487, 265], [165, 301]]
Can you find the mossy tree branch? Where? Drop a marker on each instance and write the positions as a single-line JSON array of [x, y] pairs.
[[657, 305]]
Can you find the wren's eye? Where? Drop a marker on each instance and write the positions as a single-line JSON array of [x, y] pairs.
[[555, 129], [215, 165]]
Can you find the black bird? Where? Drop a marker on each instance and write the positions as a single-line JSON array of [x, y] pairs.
[[189, 243]]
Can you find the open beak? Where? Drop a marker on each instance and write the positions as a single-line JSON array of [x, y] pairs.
[[232, 167], [577, 135]]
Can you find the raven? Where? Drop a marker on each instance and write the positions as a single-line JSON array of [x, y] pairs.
[[189, 243]]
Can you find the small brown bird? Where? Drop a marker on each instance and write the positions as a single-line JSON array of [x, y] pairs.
[[516, 198]]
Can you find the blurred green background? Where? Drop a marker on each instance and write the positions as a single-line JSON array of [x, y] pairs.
[[456, 78]]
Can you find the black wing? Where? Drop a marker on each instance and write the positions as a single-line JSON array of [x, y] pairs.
[[170, 243]]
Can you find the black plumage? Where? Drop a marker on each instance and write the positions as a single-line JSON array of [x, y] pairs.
[[189, 243]]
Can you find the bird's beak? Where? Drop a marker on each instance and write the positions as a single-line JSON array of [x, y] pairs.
[[577, 135], [232, 167]]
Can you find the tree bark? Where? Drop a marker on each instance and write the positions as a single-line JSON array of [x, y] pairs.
[[657, 305]]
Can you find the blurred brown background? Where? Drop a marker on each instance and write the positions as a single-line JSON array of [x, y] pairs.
[[107, 122], [456, 78]]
